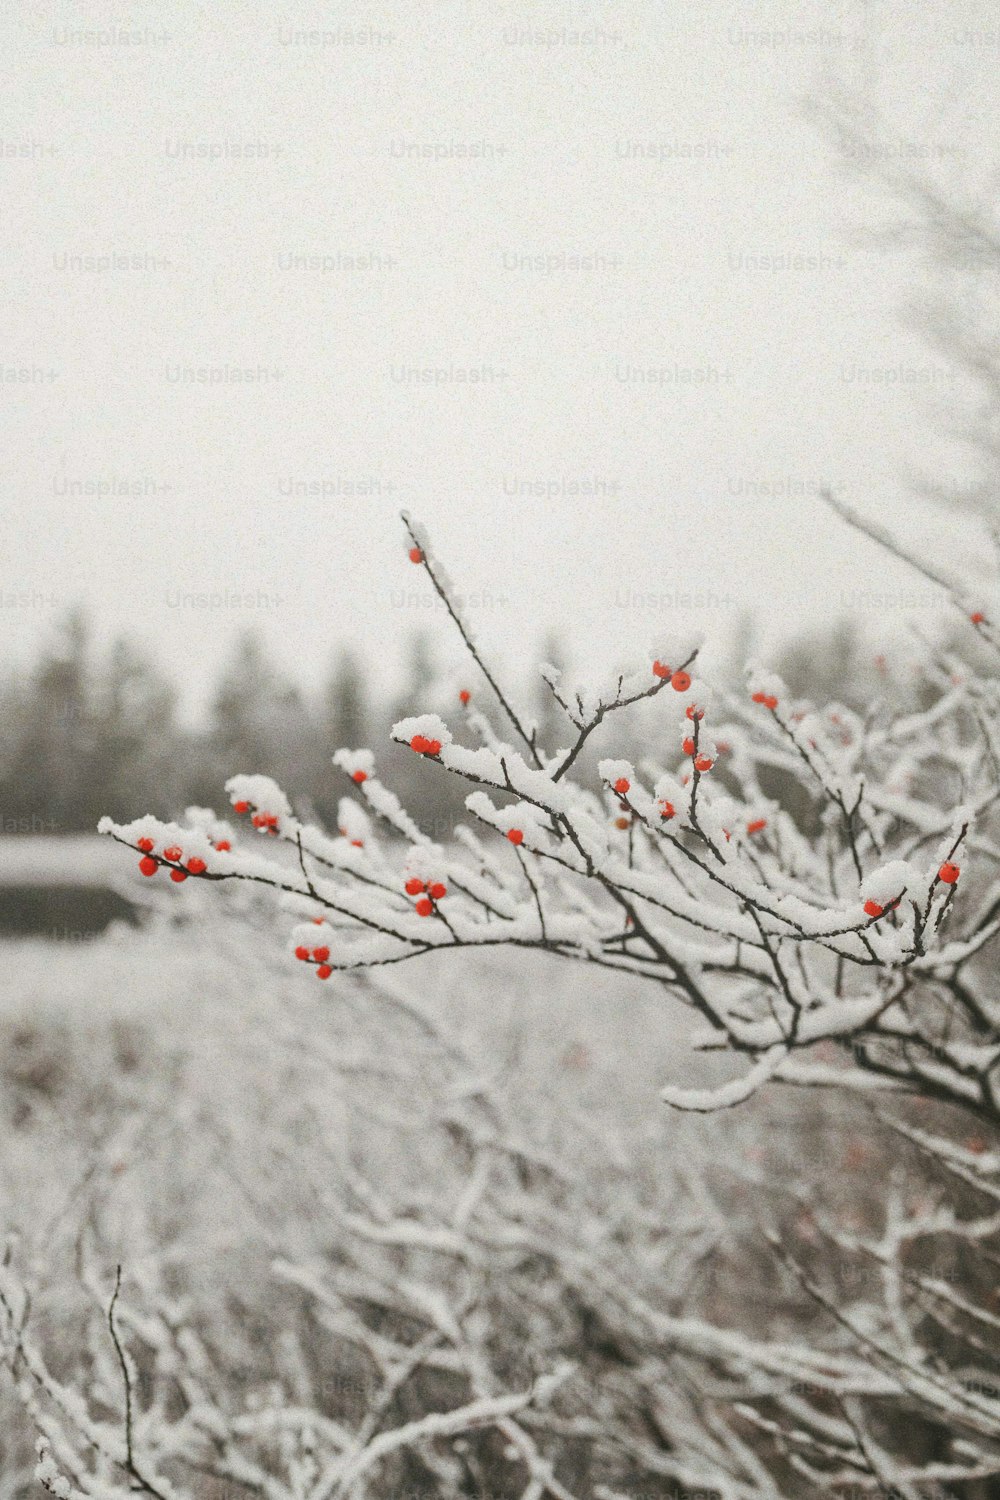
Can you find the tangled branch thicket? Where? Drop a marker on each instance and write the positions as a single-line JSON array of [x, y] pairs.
[[539, 1327]]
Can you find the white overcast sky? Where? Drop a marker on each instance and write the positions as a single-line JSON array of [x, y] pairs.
[[685, 466]]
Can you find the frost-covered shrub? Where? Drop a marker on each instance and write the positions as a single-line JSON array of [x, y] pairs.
[[870, 934]]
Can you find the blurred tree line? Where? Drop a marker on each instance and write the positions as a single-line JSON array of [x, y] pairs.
[[83, 733]]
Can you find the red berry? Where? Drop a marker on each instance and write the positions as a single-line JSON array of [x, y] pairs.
[[659, 670], [756, 824], [322, 954], [301, 952], [271, 819], [516, 836], [414, 886], [667, 809], [178, 875], [419, 743], [949, 873], [146, 845], [324, 971], [680, 682], [694, 713], [728, 834], [357, 843], [318, 921], [424, 907], [360, 776], [241, 806], [622, 785], [147, 865], [172, 853], [416, 556], [687, 745], [768, 700], [704, 763], [978, 618], [873, 909], [464, 695], [223, 845], [433, 747], [259, 820], [196, 865], [437, 891]]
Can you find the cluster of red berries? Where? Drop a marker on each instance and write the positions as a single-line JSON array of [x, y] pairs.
[[622, 786], [264, 821], [423, 746], [435, 891], [702, 762], [317, 955], [680, 680], [171, 856], [768, 700]]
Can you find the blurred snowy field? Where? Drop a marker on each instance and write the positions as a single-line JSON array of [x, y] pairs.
[[183, 1100]]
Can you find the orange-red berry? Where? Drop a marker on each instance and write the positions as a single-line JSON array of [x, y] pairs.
[[416, 556], [146, 845], [360, 776], [464, 695], [667, 809], [178, 875], [148, 865], [680, 682], [623, 822], [173, 852], [424, 907], [622, 785], [949, 873], [768, 700], [660, 669], [756, 824], [694, 713], [321, 953], [687, 745], [414, 886], [437, 891], [301, 952], [977, 617], [516, 836], [223, 846], [241, 806], [324, 971], [873, 909], [704, 763]]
